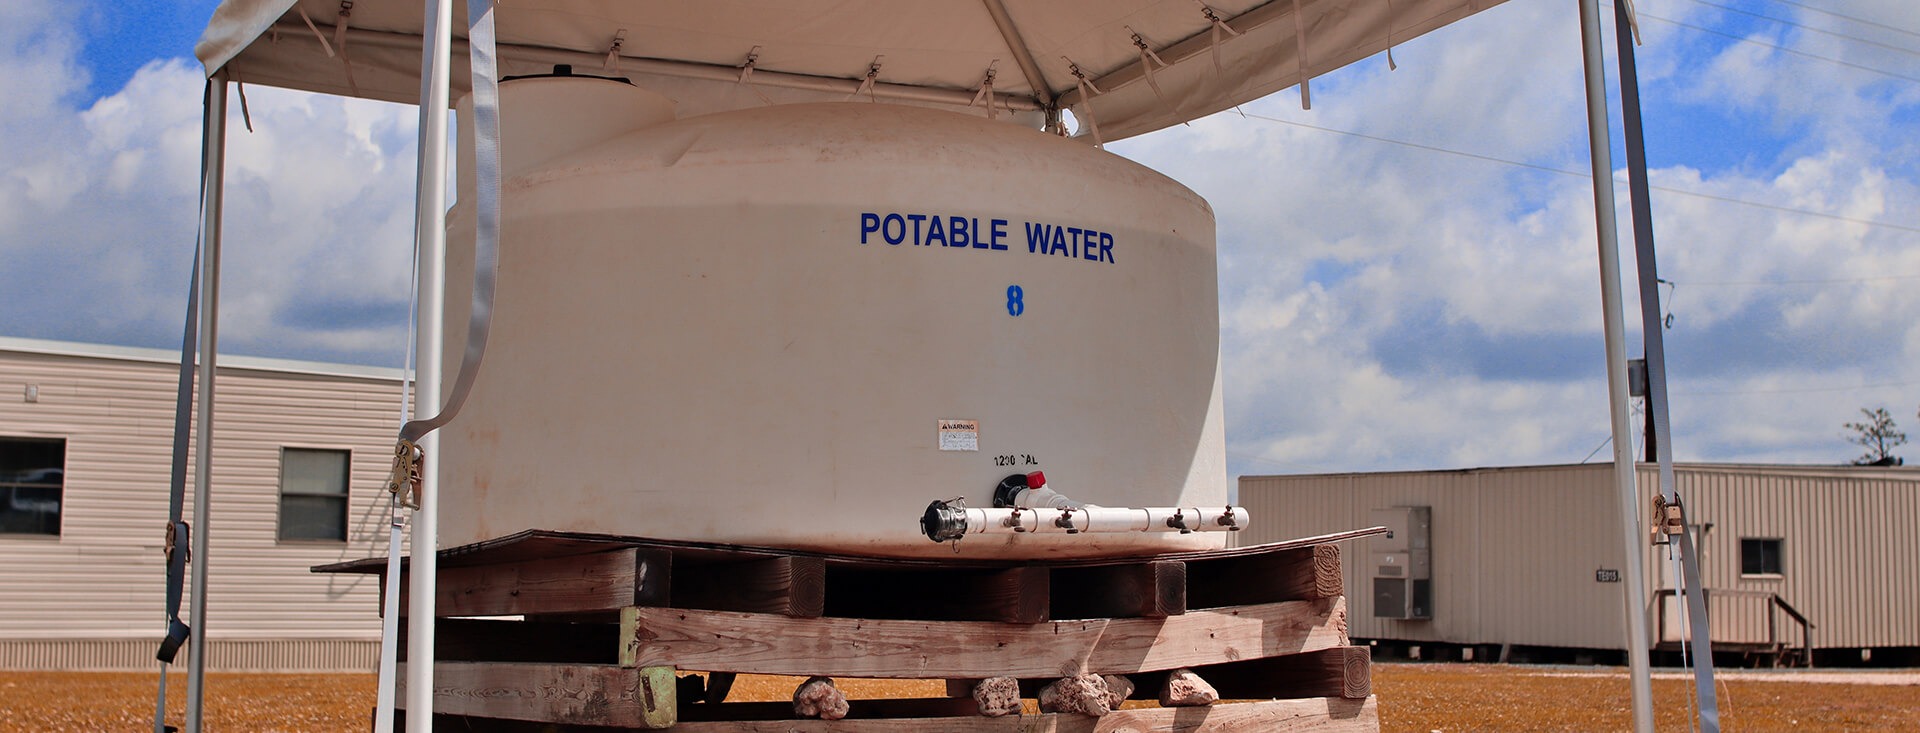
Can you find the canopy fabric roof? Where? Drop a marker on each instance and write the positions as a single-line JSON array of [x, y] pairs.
[[919, 51]]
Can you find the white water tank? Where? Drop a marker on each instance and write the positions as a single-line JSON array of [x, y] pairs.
[[788, 325]]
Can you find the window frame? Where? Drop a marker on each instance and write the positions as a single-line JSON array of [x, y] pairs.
[[1774, 548], [345, 495], [60, 516]]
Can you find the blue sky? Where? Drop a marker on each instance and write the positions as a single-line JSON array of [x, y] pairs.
[[1408, 269]]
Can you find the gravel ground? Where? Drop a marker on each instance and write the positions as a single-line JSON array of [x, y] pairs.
[[1413, 697]]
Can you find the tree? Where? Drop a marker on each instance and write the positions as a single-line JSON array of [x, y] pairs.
[[1878, 435]]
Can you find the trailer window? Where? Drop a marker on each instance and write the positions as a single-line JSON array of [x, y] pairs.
[[313, 494], [32, 483], [1760, 556]]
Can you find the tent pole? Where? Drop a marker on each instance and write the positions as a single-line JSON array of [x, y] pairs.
[[430, 210], [215, 163], [1624, 478], [1660, 431]]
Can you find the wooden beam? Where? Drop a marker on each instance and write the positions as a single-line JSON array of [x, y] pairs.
[[599, 582], [722, 641], [1311, 715], [1322, 715], [1302, 573], [599, 695], [1344, 671], [787, 585], [943, 707], [497, 640], [1013, 595], [1155, 589]]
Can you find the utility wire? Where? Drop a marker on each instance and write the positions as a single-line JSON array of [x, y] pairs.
[[1862, 21], [1798, 390], [1825, 281], [1579, 174], [1782, 21], [1782, 49]]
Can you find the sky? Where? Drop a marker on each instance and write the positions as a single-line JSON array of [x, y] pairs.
[[1409, 275]]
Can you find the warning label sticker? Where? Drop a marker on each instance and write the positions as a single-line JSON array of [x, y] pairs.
[[960, 435]]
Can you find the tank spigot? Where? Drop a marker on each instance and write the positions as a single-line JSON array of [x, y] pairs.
[[1065, 521], [1179, 521]]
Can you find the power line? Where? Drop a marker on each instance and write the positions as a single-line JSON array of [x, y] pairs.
[[1578, 174], [1856, 39], [1828, 281], [1862, 21], [1800, 390], [1783, 49]]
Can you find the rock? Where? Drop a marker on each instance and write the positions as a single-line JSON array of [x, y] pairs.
[[997, 696], [1119, 688], [1186, 689], [818, 698], [1085, 694]]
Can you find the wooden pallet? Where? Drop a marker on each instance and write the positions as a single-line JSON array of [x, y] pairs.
[[607, 621]]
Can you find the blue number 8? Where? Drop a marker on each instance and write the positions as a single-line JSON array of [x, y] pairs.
[[1016, 300]]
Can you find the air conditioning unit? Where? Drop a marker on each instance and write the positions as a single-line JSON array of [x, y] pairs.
[[1402, 563]]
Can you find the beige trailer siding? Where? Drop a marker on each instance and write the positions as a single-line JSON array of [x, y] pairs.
[[1850, 544], [1515, 550], [94, 596], [1491, 578]]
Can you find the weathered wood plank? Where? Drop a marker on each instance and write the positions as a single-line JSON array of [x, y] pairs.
[[1311, 715], [1322, 715], [597, 582], [550, 543], [767, 644], [495, 640], [856, 709], [1154, 589], [1012, 595], [1302, 573], [789, 585], [1344, 671], [599, 695]]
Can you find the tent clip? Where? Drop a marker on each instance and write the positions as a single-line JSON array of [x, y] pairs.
[[613, 50], [1217, 25], [866, 85], [986, 90], [1081, 81]]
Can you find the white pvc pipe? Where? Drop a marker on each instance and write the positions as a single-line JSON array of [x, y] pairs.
[[209, 306], [1103, 520], [430, 211], [1612, 313]]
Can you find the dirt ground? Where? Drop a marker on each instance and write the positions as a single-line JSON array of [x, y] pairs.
[[1413, 697]]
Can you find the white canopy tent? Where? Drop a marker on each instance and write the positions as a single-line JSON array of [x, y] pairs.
[[1123, 68], [819, 50]]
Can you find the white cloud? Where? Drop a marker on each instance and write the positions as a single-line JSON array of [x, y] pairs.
[[1385, 306], [1396, 307], [98, 210]]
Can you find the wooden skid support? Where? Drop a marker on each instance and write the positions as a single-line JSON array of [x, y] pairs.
[[1155, 589], [1308, 715], [721, 641], [1345, 671], [1013, 595], [603, 581], [596, 695], [788, 585], [1295, 574], [496, 640]]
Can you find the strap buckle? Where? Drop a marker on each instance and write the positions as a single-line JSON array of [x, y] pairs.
[[404, 480]]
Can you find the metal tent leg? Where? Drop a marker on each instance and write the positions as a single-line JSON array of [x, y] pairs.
[[1634, 589], [215, 163]]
